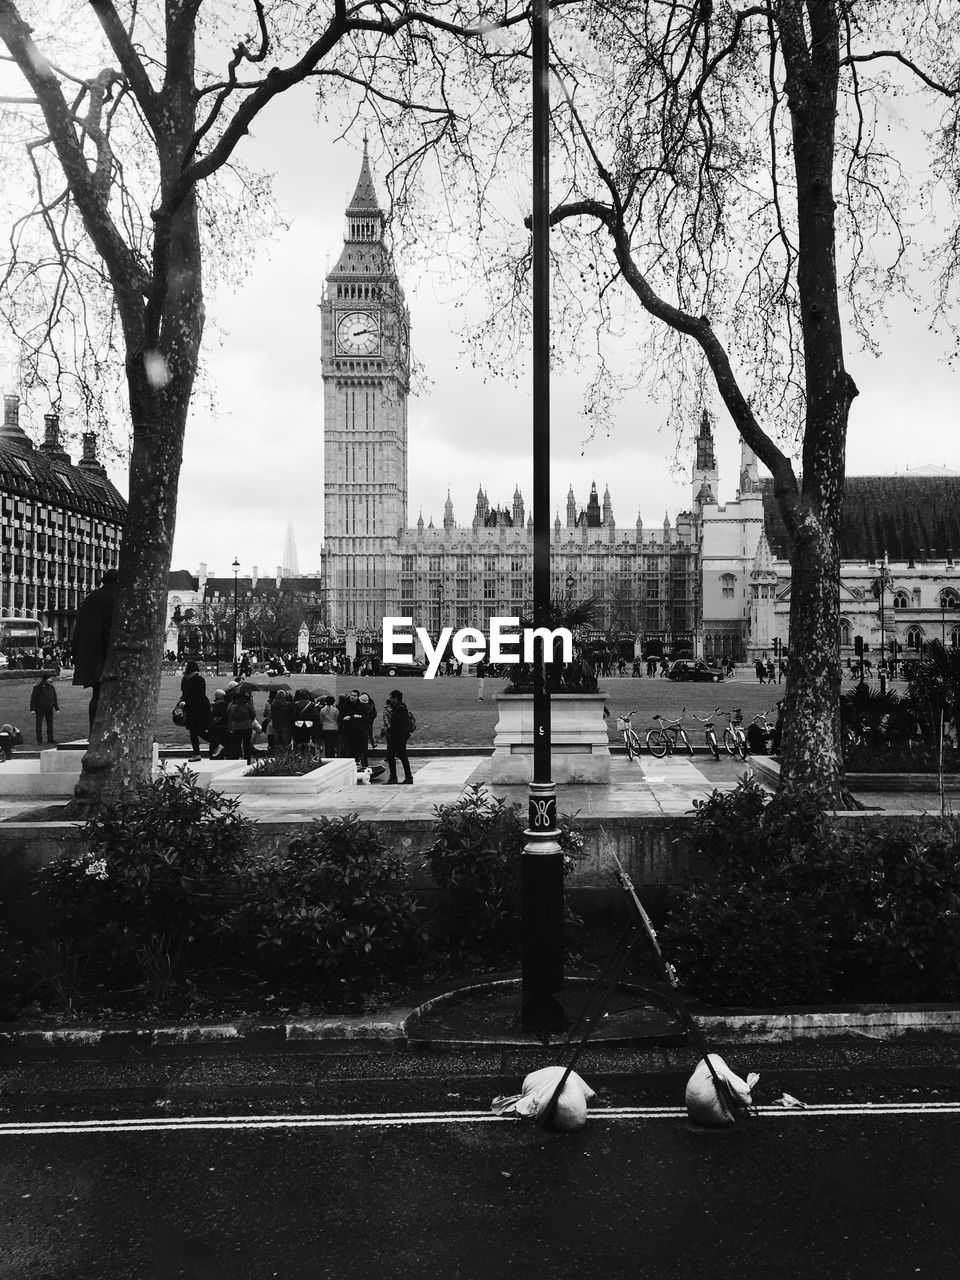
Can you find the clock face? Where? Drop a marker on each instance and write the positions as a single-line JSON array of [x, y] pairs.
[[358, 333]]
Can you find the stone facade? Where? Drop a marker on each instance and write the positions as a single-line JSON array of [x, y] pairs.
[[458, 575]]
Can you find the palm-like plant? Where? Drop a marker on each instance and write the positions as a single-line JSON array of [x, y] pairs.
[[935, 689], [578, 676]]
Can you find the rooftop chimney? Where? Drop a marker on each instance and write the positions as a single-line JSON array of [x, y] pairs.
[[90, 461], [11, 433], [52, 445]]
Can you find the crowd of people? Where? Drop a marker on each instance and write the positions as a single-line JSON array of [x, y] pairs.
[[300, 719]]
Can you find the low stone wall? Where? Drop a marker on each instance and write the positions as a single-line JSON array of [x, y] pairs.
[[654, 852]]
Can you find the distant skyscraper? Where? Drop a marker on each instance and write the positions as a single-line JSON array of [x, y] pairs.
[[291, 561]]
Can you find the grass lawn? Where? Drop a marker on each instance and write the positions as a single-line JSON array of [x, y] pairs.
[[447, 710]]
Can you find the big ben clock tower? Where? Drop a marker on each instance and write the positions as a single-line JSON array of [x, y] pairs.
[[366, 374]]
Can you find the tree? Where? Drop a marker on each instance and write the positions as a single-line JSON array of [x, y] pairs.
[[126, 164], [727, 167]]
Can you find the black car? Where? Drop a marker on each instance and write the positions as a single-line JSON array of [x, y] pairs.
[[698, 670], [402, 669]]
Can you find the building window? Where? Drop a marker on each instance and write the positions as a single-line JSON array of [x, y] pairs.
[[901, 600], [489, 588], [845, 633], [914, 637], [728, 584]]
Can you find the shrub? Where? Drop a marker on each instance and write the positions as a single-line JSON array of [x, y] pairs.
[[476, 857], [798, 908], [158, 871], [331, 904], [284, 763]]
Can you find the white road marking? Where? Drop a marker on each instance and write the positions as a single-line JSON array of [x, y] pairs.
[[400, 1119]]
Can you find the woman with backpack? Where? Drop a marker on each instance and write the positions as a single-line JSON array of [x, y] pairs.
[[304, 712]]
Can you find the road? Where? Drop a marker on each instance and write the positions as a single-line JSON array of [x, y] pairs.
[[399, 1169]]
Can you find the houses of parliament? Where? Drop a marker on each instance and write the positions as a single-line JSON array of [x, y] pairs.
[[458, 573]]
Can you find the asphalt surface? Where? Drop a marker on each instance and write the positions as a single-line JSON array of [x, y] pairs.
[[347, 1161]]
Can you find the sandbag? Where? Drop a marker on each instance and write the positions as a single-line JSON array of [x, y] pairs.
[[703, 1105], [570, 1111]]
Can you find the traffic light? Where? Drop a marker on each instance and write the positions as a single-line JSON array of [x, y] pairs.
[[893, 648], [776, 646], [858, 646]]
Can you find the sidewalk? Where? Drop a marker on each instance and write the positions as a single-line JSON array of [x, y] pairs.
[[641, 788]]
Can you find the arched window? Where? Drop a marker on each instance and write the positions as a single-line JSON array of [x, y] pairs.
[[845, 632], [955, 637], [727, 584], [949, 598], [901, 600], [914, 637]]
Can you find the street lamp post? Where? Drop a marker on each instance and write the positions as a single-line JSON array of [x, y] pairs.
[[541, 867], [947, 601], [236, 616], [880, 587]]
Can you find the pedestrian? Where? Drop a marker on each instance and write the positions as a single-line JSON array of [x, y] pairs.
[[196, 707], [760, 670], [329, 718], [218, 732], [281, 719], [781, 668], [241, 723], [398, 724], [370, 718], [303, 714], [664, 667], [771, 673], [353, 729], [481, 672], [10, 737], [43, 703], [91, 637]]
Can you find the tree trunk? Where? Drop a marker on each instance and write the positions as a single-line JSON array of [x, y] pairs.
[[120, 754], [811, 753]]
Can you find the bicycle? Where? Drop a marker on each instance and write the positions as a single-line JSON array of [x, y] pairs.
[[631, 739], [734, 736], [664, 738], [709, 733]]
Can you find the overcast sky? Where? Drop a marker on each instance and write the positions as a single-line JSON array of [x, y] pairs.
[[255, 464]]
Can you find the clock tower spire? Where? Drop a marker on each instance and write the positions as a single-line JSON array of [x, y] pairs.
[[365, 364]]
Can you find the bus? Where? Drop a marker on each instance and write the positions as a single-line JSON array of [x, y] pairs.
[[20, 633]]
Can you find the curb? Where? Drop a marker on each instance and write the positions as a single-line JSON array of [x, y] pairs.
[[392, 1027]]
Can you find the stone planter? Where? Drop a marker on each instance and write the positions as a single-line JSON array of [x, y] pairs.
[[580, 750], [331, 776]]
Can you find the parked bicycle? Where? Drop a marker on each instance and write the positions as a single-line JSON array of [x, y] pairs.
[[666, 735], [734, 735], [709, 733], [631, 739]]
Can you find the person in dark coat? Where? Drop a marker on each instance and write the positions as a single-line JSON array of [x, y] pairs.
[[281, 718], [241, 721], [397, 727], [303, 716], [91, 637], [43, 703], [218, 724], [353, 729], [196, 706]]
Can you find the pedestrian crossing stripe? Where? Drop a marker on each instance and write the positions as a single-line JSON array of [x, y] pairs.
[[401, 1119]]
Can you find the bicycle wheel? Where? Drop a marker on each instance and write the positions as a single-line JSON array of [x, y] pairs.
[[658, 744], [628, 744], [730, 742], [741, 744], [686, 741], [712, 744]]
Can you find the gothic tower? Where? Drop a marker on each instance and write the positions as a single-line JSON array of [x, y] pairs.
[[366, 375]]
